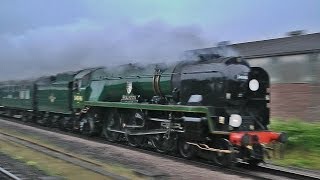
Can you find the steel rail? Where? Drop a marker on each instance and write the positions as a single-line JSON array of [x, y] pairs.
[[8, 174], [295, 174]]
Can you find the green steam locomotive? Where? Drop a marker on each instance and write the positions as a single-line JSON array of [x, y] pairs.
[[215, 107]]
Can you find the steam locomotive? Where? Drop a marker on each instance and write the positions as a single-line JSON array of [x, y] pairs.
[[215, 106]]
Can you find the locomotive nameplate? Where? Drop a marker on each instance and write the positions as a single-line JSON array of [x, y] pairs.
[[242, 77], [129, 98]]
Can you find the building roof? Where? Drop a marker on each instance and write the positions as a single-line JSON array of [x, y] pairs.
[[297, 44], [280, 46]]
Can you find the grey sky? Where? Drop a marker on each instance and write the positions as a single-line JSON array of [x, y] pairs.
[[48, 36]]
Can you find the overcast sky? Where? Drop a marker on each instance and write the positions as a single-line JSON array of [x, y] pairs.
[[48, 36]]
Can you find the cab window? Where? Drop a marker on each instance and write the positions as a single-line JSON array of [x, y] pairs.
[[85, 81]]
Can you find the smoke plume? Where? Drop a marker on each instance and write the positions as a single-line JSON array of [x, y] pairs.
[[54, 49]]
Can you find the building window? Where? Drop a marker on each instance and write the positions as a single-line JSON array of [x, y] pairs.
[[286, 69], [294, 69]]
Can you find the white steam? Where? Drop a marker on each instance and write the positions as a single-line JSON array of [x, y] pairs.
[[49, 50]]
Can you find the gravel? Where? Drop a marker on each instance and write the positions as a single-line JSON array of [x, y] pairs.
[[161, 167]]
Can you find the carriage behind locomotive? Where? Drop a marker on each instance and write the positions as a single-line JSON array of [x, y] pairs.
[[216, 107]]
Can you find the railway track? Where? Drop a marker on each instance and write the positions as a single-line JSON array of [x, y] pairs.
[[259, 172], [285, 172], [78, 161], [5, 174]]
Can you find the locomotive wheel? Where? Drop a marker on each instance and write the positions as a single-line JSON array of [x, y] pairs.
[[163, 144], [112, 122], [24, 116], [39, 117], [135, 141], [135, 118], [50, 121], [8, 112], [254, 162], [45, 120], [55, 121], [158, 143], [29, 117], [186, 150], [24, 119], [64, 123], [87, 125], [224, 159]]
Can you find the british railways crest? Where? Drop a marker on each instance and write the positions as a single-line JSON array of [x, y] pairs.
[[129, 87]]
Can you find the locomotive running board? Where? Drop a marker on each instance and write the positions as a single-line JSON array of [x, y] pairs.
[[139, 133], [160, 120], [207, 148]]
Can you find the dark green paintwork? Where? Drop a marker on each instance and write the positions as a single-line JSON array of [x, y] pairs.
[[79, 97], [165, 83], [54, 98], [158, 107], [82, 90], [17, 95], [110, 84], [55, 94]]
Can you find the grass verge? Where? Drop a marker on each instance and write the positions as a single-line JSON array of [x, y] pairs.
[[303, 146], [29, 159], [52, 166]]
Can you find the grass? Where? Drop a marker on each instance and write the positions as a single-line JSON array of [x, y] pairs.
[[303, 146], [51, 165]]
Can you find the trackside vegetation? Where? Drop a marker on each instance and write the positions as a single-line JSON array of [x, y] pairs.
[[303, 147]]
